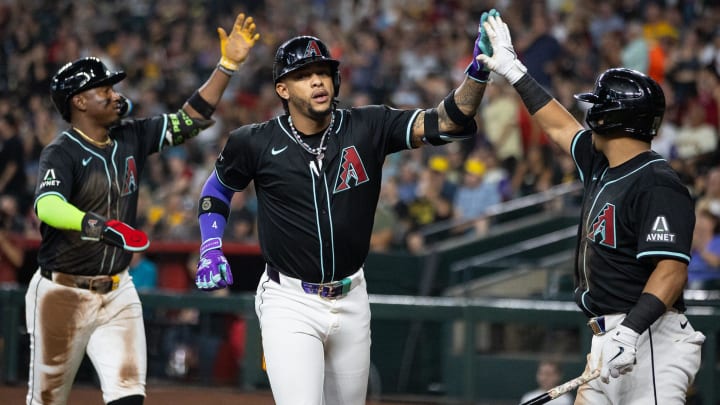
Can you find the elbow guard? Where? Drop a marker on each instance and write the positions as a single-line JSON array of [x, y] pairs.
[[432, 130], [182, 127]]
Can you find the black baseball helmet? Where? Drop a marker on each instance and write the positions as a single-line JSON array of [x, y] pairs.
[[625, 101], [76, 77], [300, 51]]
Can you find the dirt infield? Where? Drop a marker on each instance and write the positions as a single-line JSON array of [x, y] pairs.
[[176, 395]]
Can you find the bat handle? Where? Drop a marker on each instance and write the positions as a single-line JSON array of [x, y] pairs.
[[574, 383]]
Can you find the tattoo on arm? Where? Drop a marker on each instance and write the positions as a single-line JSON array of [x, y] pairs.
[[467, 97], [418, 130]]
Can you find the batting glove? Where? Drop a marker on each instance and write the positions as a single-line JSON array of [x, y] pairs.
[[476, 70], [503, 60], [113, 232], [236, 46], [618, 353], [213, 271]]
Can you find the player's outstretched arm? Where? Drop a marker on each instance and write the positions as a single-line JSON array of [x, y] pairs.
[[196, 113], [454, 118], [234, 49], [554, 119]]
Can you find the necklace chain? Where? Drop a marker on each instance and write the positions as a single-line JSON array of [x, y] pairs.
[[106, 142], [319, 152]]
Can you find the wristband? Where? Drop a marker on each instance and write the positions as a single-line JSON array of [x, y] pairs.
[[210, 244], [201, 105], [645, 312], [225, 70], [533, 95]]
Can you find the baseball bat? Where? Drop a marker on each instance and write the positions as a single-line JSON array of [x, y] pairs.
[[562, 389]]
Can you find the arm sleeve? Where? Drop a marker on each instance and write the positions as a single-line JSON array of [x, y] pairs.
[[58, 213], [212, 224]]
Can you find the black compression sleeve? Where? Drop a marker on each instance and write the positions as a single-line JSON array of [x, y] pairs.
[[645, 312], [532, 94]]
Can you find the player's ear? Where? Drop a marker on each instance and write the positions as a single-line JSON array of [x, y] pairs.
[[79, 101], [282, 90]]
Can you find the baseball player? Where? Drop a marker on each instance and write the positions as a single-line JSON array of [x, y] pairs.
[[317, 173], [81, 299], [635, 236]]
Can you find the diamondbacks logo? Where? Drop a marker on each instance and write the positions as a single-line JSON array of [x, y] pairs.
[[660, 231], [351, 169], [603, 227], [50, 180], [313, 49], [130, 182]]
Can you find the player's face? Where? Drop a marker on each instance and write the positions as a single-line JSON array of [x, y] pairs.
[[101, 103], [309, 90]]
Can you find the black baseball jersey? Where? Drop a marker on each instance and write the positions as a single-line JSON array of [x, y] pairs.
[[632, 216], [314, 221], [102, 180]]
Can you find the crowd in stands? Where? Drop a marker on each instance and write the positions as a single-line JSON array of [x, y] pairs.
[[403, 53]]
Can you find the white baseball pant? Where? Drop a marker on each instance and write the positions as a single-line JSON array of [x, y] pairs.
[[668, 358], [65, 322], [317, 350]]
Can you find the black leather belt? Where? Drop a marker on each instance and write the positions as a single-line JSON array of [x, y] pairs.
[[96, 284], [333, 289]]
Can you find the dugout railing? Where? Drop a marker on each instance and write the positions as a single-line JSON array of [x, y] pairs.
[[468, 374]]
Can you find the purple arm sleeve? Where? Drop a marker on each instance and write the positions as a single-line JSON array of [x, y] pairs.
[[212, 224]]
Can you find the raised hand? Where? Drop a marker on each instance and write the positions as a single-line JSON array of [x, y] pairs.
[[503, 60], [618, 353], [476, 70], [236, 46]]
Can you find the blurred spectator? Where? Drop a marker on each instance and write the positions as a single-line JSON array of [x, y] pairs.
[[174, 218], [241, 222], [385, 224], [143, 272], [635, 52], [682, 67], [537, 173], [537, 48], [708, 94], [475, 195], [695, 136], [500, 121], [433, 203], [705, 262], [12, 161], [11, 218], [549, 375], [12, 251], [661, 37], [407, 181], [605, 20], [12, 255]]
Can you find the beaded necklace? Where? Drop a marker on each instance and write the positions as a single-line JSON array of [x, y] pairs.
[[319, 152]]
